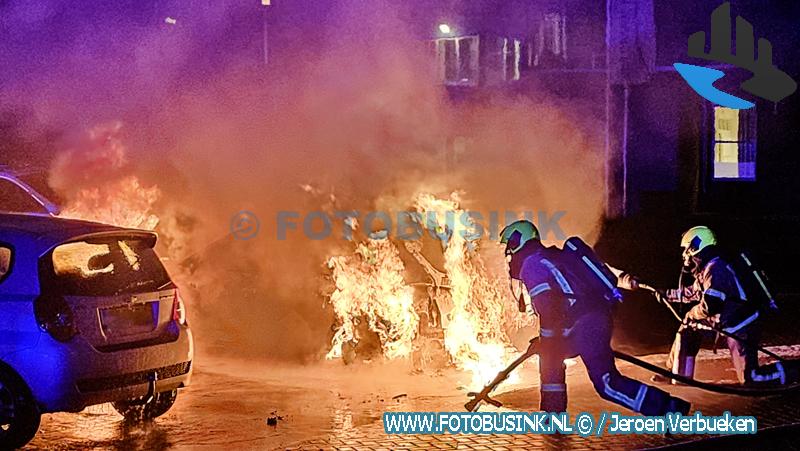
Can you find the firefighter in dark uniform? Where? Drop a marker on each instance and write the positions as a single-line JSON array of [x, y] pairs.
[[722, 303], [574, 322]]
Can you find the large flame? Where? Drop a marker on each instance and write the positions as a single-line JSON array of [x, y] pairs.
[[95, 180], [475, 334], [124, 202], [370, 284]]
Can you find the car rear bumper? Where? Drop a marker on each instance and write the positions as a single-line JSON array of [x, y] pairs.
[[71, 376]]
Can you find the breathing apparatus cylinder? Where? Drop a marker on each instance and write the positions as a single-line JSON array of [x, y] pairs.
[[588, 268]]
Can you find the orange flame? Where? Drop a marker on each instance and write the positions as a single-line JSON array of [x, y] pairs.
[[474, 321], [371, 284], [475, 334], [94, 179], [124, 203]]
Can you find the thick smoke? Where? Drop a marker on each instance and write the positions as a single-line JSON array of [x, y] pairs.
[[356, 121]]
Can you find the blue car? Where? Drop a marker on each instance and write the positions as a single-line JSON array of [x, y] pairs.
[[88, 315]]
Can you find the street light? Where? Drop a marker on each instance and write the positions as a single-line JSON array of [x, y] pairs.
[[445, 29]]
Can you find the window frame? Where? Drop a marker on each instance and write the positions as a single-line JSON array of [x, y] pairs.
[[441, 60], [539, 46], [711, 148], [66, 284], [516, 52]]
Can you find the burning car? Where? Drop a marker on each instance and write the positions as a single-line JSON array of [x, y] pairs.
[[88, 315], [431, 298]]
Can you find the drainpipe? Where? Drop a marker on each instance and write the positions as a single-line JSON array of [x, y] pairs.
[[265, 32], [616, 203], [607, 149], [626, 108]]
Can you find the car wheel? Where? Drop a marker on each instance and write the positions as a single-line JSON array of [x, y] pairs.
[[135, 410], [19, 414]]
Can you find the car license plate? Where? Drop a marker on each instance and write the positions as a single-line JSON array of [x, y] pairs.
[[129, 320]]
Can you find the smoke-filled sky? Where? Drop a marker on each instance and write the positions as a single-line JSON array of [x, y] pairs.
[[348, 108]]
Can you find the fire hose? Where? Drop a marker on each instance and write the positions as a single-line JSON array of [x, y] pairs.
[[716, 388], [661, 298], [728, 389]]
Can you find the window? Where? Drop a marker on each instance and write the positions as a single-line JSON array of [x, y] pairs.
[[457, 60], [108, 267], [511, 58], [734, 144], [14, 199], [5, 261], [551, 42]]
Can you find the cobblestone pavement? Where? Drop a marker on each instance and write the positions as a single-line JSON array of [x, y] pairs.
[[772, 412], [332, 406]]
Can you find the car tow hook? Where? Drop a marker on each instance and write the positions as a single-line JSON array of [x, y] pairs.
[[151, 389]]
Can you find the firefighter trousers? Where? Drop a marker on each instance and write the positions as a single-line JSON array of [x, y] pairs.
[[744, 356], [590, 339]]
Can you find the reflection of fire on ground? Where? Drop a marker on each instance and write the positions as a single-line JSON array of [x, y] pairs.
[[454, 314]]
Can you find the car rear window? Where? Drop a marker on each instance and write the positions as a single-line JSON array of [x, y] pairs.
[[105, 268]]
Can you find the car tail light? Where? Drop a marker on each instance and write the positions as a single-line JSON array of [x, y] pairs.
[[55, 317], [178, 308]]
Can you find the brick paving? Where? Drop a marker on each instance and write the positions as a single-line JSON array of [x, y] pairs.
[[771, 412]]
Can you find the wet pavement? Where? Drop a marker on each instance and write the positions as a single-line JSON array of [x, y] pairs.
[[332, 406], [229, 403]]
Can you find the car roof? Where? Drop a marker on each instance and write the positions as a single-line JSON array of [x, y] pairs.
[[45, 232]]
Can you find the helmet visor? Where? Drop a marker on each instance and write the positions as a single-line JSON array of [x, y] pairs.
[[513, 243]]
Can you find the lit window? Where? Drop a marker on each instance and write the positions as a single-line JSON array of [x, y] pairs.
[[734, 144], [457, 60], [551, 41]]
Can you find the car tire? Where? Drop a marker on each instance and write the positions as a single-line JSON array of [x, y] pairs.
[[134, 411], [19, 414]]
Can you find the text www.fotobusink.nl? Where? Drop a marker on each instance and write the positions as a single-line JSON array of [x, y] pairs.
[[583, 424]]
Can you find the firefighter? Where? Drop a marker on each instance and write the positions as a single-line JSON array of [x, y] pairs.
[[574, 321], [722, 303]]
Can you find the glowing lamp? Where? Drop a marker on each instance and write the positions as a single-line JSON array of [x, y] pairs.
[[445, 28]]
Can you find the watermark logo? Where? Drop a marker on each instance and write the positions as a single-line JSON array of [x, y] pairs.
[[411, 225], [244, 225], [471, 226], [767, 82]]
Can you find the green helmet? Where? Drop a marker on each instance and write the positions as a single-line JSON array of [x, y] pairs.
[[516, 234], [696, 239]]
